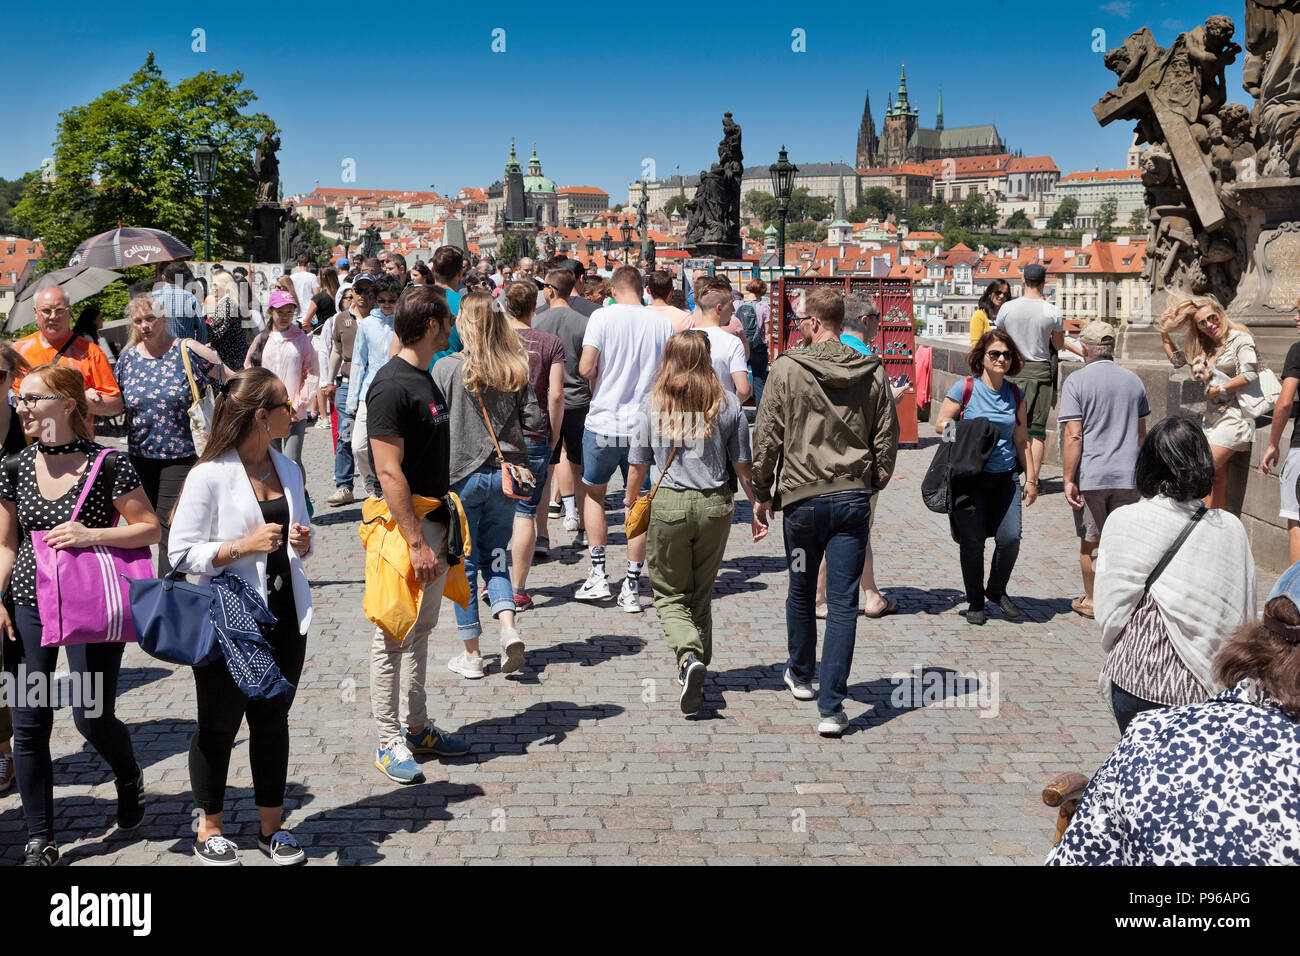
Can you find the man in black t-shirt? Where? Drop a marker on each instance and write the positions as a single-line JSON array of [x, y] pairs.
[[1285, 410], [410, 444]]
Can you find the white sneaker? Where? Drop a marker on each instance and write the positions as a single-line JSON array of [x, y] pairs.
[[323, 423], [466, 666], [802, 690], [629, 600], [570, 522], [832, 725], [594, 588], [342, 496], [512, 652]]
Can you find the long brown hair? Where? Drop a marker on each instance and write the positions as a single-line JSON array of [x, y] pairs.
[[285, 284], [1256, 652], [18, 365], [1198, 344], [494, 356], [234, 414], [686, 396], [329, 281], [66, 382]]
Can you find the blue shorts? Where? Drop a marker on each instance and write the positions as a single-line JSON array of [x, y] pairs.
[[601, 455], [539, 459]]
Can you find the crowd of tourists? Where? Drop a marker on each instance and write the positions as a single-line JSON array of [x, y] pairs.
[[474, 404]]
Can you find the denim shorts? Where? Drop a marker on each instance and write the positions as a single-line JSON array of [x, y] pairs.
[[601, 456], [539, 459]]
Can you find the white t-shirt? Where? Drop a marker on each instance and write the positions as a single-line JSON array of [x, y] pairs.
[[1030, 323], [306, 285], [728, 355], [630, 340]]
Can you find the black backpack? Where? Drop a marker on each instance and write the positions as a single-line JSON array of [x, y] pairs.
[[748, 316]]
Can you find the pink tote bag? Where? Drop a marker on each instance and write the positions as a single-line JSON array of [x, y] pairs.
[[83, 594]]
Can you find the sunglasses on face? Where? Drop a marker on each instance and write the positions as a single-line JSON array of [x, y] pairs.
[[387, 301], [286, 405], [997, 355]]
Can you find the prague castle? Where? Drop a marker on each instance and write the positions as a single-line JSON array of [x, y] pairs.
[[904, 141]]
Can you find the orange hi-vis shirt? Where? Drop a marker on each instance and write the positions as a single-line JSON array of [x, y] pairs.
[[83, 355]]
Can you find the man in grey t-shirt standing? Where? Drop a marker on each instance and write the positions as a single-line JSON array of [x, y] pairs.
[[1104, 409], [1038, 329], [569, 326]]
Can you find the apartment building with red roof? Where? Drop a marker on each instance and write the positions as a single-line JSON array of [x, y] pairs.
[[17, 255]]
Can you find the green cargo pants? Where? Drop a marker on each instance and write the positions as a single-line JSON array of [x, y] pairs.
[[685, 543]]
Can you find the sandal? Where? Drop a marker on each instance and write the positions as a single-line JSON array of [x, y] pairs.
[[1080, 606], [891, 606]]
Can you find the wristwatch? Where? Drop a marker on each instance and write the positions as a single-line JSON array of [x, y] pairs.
[[234, 551]]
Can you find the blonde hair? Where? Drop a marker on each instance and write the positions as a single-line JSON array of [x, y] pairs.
[[494, 357], [224, 283], [1198, 344], [137, 306], [285, 284], [687, 395], [66, 382]]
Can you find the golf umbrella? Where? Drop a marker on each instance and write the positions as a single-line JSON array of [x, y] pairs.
[[77, 283], [130, 246]]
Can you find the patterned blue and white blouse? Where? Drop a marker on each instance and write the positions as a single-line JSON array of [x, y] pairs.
[[157, 396], [1213, 783]]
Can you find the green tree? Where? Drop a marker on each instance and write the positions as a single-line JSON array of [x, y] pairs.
[[1137, 221], [805, 231], [920, 216], [126, 157], [317, 245], [506, 251], [882, 202], [1107, 212], [953, 236], [1065, 213], [10, 190], [675, 204], [1018, 220], [760, 205], [331, 218]]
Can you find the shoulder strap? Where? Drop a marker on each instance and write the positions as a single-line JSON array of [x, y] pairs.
[[63, 349], [90, 482], [967, 389], [491, 431], [672, 453], [189, 372], [1173, 549]]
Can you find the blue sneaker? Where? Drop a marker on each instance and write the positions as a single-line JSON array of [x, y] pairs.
[[431, 740], [396, 763]]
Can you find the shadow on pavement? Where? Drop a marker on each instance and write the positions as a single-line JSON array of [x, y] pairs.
[[923, 687], [542, 724], [596, 649]]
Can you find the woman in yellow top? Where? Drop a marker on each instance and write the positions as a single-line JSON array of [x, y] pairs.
[[995, 293]]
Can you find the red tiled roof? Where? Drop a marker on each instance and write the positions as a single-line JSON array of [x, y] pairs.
[[904, 169], [971, 167], [1101, 175], [14, 256], [1032, 164], [586, 190]]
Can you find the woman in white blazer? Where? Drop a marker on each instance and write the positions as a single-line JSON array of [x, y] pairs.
[[243, 510]]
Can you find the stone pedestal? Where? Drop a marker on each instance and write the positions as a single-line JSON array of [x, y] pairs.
[[719, 250], [267, 220]]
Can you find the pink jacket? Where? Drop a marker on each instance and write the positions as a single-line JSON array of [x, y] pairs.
[[292, 357]]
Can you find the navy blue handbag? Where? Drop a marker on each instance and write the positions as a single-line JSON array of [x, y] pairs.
[[173, 621]]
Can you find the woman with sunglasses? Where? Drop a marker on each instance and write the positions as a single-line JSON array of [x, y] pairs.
[[995, 293], [289, 352], [243, 510], [39, 490], [988, 505], [1222, 355]]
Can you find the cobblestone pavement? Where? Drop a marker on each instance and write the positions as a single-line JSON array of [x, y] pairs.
[[584, 756]]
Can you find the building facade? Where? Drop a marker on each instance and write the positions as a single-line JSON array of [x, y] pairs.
[[903, 140], [1094, 188]]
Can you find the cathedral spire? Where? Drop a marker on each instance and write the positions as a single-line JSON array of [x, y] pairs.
[[939, 123]]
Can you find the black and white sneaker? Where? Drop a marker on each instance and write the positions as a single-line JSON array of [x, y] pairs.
[[692, 680], [282, 848], [556, 510], [40, 853], [217, 851]]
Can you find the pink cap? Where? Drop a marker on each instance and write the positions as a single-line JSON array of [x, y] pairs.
[[279, 297]]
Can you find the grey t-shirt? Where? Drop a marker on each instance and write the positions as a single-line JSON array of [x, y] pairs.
[[576, 302], [1031, 323], [700, 464], [1107, 401], [569, 327]]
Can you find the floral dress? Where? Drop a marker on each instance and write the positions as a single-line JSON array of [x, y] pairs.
[[226, 333], [157, 396]]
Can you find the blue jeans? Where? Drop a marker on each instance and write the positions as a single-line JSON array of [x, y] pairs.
[[834, 527], [758, 366], [1126, 706], [491, 518], [538, 454], [344, 467]]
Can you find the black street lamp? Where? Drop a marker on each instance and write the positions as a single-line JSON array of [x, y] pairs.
[[782, 172], [625, 228], [345, 233], [591, 249], [605, 241], [205, 170]]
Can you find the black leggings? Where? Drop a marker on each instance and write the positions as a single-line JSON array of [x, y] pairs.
[[162, 479], [93, 689], [222, 706]]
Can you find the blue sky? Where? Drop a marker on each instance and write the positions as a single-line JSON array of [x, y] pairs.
[[610, 87]]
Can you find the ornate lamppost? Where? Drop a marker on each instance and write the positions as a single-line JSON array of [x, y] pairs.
[[345, 233], [605, 241], [782, 172], [205, 170], [625, 228]]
